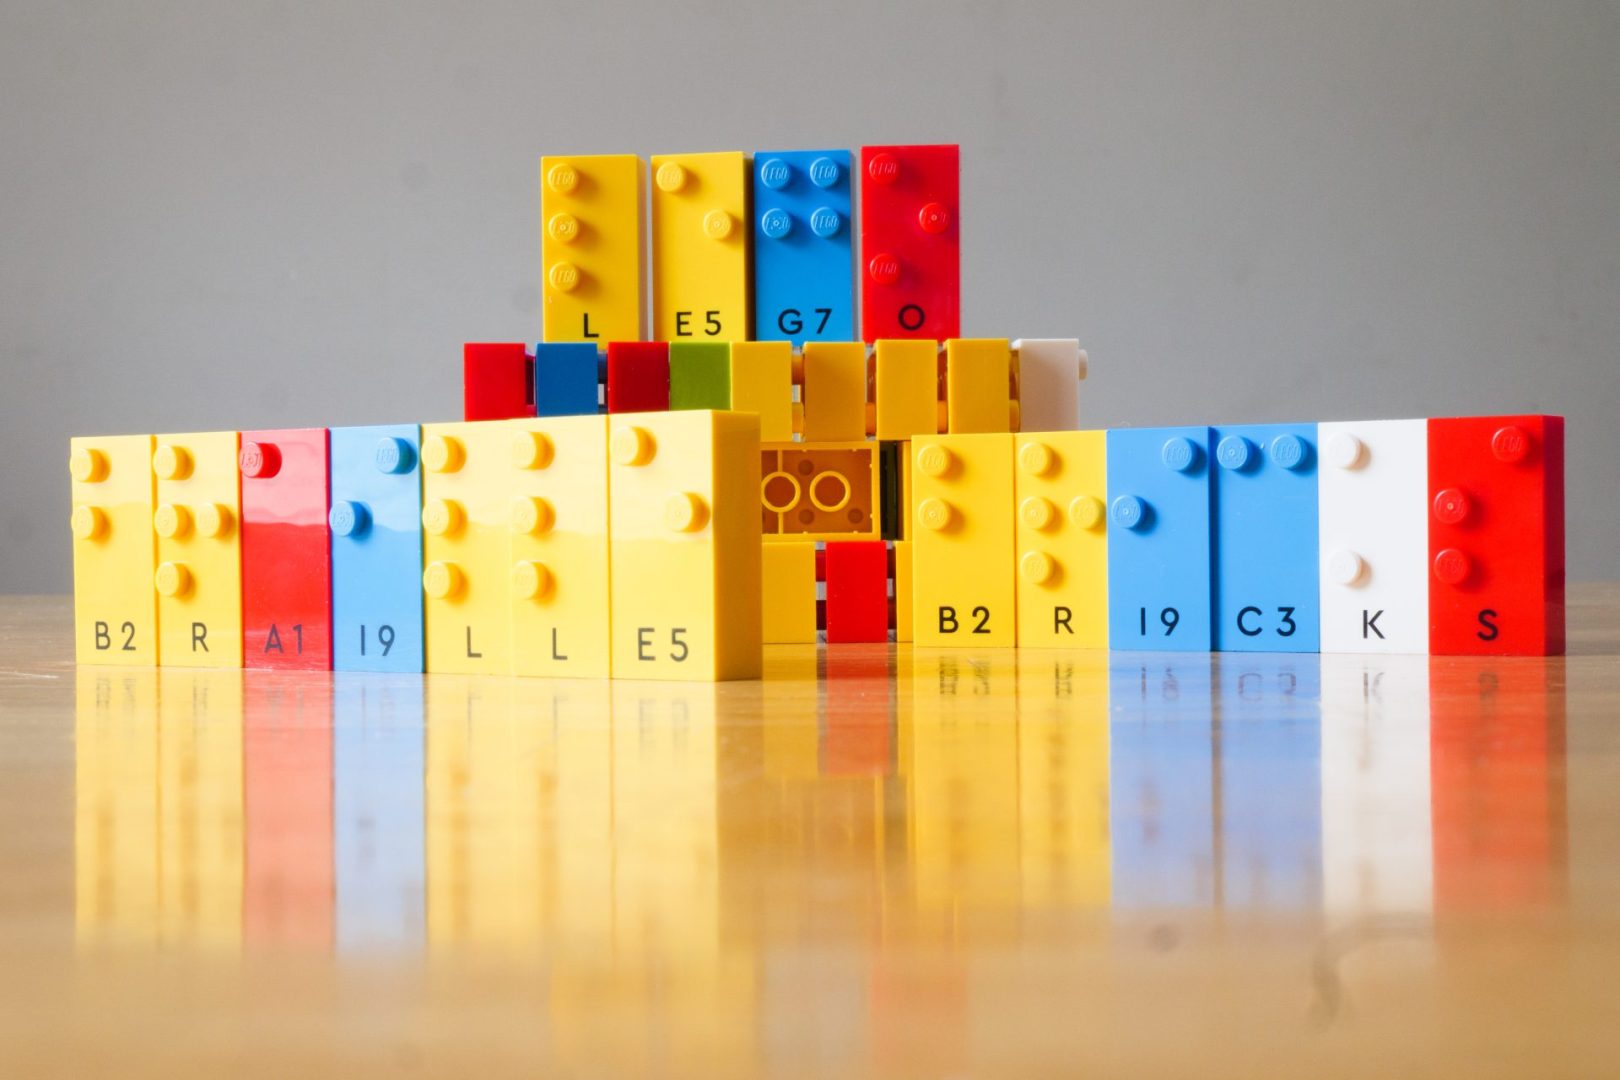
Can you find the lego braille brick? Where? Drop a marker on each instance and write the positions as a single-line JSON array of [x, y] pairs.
[[825, 491], [762, 382], [857, 591], [699, 375], [1049, 372], [466, 548], [286, 550], [907, 388], [700, 246], [592, 223], [565, 379], [376, 524], [637, 376], [1159, 538], [557, 511], [788, 593], [1266, 592], [834, 391], [978, 385], [1496, 536], [114, 550], [199, 550], [685, 547], [1061, 493], [910, 249], [902, 590], [1373, 515], [497, 381], [962, 554], [804, 281]]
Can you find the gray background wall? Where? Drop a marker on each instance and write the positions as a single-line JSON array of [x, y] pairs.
[[244, 215]]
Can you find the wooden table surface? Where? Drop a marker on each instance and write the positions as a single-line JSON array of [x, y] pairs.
[[877, 861]]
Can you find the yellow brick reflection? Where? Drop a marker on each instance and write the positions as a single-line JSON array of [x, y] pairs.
[[116, 807], [200, 815]]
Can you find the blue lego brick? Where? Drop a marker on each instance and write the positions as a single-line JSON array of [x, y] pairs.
[[566, 376], [804, 269], [1159, 539], [1266, 558], [376, 524]]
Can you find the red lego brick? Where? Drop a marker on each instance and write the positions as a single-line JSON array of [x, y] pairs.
[[1496, 536], [637, 376], [857, 591], [911, 279], [286, 550], [497, 381]]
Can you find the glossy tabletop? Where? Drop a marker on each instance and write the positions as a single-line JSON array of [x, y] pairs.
[[877, 861]]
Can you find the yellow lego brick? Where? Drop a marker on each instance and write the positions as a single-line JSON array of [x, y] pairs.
[[962, 558], [557, 507], [978, 385], [114, 550], [1061, 554], [788, 593], [762, 382], [199, 549], [701, 228], [902, 590], [591, 244], [466, 546], [907, 392], [834, 391], [825, 491], [683, 491]]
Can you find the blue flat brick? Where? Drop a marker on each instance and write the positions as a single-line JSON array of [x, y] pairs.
[[566, 376], [1265, 583], [804, 270], [376, 524]]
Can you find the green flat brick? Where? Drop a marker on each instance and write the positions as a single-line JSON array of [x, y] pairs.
[[699, 375]]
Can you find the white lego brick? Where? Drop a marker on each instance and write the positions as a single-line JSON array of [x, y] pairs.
[[1049, 374]]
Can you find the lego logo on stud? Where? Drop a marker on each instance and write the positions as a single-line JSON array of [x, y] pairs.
[[1451, 507], [89, 523], [1344, 451], [259, 461], [824, 172], [884, 269], [564, 276], [1180, 454], [530, 580], [562, 178], [442, 454], [172, 462], [563, 228], [1130, 512], [1510, 444], [171, 522], [934, 460], [1234, 452], [443, 580], [883, 169], [1036, 458], [1344, 567], [1086, 511], [685, 512], [775, 174], [441, 517], [394, 456], [935, 514], [1037, 513], [671, 177], [1452, 566], [1289, 451], [348, 518], [214, 521], [825, 222], [530, 450], [172, 579], [775, 224], [717, 224], [1037, 567], [529, 516], [632, 445], [88, 466], [934, 218]]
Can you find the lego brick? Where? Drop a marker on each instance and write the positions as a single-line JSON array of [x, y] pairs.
[[376, 524], [1049, 372], [699, 375], [565, 379], [907, 388], [834, 391], [825, 491], [592, 214], [804, 282], [637, 376], [1266, 592], [978, 385], [286, 550], [557, 511], [466, 547], [685, 546], [199, 550], [902, 590], [857, 591], [762, 382], [114, 550], [962, 561], [700, 246], [788, 592], [1159, 523], [1496, 536], [1061, 493], [497, 381], [910, 247], [1373, 519]]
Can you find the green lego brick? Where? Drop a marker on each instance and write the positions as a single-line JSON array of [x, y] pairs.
[[699, 375]]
